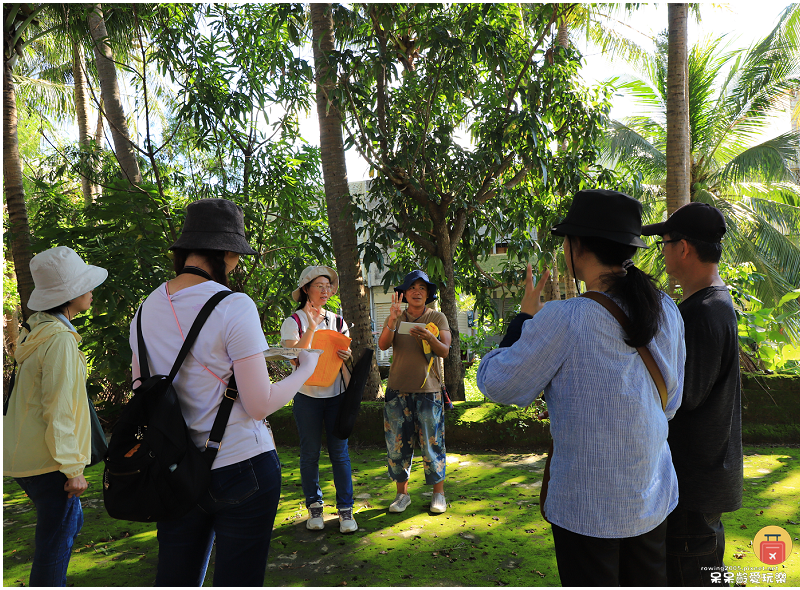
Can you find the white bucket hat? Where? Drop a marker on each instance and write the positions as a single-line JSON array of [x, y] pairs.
[[60, 275], [312, 272]]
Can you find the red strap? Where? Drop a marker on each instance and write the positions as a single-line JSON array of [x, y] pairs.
[[299, 325]]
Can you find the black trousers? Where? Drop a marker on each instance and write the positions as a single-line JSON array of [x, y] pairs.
[[695, 548], [631, 561]]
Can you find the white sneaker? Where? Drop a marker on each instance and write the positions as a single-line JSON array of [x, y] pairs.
[[438, 503], [401, 502], [315, 521], [347, 524]]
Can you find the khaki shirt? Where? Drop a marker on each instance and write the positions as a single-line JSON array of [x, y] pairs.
[[48, 426], [409, 364]]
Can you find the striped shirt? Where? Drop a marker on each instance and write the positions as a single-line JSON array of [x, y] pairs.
[[611, 475]]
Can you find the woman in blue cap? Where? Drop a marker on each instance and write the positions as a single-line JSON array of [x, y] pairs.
[[414, 406], [612, 482]]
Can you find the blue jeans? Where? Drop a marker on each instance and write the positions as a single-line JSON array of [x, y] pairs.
[[310, 414], [58, 522], [239, 510]]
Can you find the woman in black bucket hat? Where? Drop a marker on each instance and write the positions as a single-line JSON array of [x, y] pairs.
[[611, 479], [237, 512]]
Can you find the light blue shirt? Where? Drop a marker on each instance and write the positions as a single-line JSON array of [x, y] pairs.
[[611, 475]]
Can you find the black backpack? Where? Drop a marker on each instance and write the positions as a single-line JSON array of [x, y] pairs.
[[153, 469], [351, 397]]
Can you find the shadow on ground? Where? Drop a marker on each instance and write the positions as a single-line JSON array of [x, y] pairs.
[[491, 535]]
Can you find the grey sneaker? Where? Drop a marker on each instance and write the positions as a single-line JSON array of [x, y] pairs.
[[401, 502], [315, 521], [438, 503], [347, 524]]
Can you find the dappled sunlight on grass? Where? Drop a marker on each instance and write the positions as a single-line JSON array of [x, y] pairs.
[[491, 535]]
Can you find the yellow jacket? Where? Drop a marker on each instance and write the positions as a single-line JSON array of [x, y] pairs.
[[48, 426]]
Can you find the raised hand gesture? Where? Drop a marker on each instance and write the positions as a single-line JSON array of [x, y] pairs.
[[395, 310], [314, 315], [531, 303]]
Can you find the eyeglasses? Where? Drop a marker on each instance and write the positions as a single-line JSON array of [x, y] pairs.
[[323, 287], [660, 244]]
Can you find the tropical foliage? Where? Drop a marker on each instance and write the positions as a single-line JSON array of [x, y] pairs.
[[732, 96]]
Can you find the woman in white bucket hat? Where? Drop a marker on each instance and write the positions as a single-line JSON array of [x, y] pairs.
[[317, 407], [47, 430]]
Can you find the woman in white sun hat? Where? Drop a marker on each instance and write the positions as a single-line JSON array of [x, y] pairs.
[[317, 407], [47, 430]]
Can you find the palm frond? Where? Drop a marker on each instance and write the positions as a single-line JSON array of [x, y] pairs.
[[769, 161], [624, 143]]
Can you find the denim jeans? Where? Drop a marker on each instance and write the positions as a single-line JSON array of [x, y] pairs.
[[310, 414], [58, 521], [239, 510], [695, 548]]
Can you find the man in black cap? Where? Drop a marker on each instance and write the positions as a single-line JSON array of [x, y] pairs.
[[705, 436]]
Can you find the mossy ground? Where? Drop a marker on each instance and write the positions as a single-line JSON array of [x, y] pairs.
[[491, 535]]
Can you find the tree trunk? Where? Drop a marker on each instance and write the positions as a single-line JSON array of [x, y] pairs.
[[15, 194], [570, 290], [453, 367], [354, 296], [82, 115], [678, 157], [109, 91]]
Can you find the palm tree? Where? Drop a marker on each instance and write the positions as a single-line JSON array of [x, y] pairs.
[[107, 72], [20, 28], [732, 95], [354, 298]]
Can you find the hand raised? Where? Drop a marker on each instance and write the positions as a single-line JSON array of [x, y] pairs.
[[314, 315], [395, 310], [531, 303]]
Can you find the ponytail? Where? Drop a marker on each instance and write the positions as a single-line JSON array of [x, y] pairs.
[[636, 288]]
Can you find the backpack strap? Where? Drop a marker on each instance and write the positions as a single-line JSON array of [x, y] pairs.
[[214, 440], [644, 352], [14, 373], [296, 318]]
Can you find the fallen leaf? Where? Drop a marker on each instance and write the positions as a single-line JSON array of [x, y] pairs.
[[744, 526]]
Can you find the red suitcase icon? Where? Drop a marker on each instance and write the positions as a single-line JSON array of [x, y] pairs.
[[773, 552]]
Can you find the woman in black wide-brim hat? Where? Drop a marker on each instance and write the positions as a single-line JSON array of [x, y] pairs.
[[414, 404], [238, 510], [612, 483]]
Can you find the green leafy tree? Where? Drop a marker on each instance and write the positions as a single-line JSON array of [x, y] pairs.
[[413, 79], [731, 97]]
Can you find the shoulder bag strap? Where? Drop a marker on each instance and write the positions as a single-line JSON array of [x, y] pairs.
[[14, 372], [296, 318], [644, 352]]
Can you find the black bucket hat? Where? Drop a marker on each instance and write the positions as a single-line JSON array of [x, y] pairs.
[[214, 224], [604, 214], [413, 276]]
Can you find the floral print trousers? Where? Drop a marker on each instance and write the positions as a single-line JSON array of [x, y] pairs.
[[414, 416]]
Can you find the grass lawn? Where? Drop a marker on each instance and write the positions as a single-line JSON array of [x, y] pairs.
[[491, 535]]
